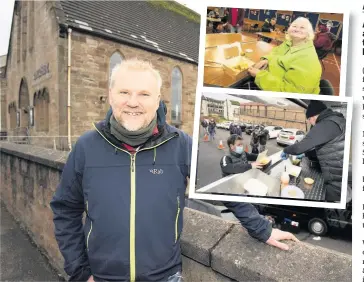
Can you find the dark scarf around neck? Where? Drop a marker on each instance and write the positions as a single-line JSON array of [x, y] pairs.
[[132, 138]]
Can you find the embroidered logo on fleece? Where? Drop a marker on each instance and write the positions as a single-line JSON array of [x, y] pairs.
[[156, 171]]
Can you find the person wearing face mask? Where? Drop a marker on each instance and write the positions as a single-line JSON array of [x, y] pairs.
[[327, 138], [293, 66], [238, 160]]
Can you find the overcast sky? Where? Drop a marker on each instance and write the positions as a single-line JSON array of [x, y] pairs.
[[6, 13]]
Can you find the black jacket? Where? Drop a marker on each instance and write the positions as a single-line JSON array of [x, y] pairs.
[[267, 26], [246, 213], [131, 231], [235, 163], [327, 138]]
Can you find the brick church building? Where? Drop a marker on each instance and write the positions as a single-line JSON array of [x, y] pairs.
[[60, 57]]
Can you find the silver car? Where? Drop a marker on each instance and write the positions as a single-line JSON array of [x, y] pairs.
[[290, 136]]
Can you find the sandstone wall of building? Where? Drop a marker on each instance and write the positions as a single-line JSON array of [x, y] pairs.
[[4, 108], [36, 47]]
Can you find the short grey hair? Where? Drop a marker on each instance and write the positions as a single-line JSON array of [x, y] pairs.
[[311, 33], [138, 65]]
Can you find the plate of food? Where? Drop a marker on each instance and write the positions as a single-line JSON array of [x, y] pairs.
[[309, 181], [292, 191], [265, 162]]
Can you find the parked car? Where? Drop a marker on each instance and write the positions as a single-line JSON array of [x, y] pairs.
[[226, 125], [273, 131], [219, 125], [290, 136]]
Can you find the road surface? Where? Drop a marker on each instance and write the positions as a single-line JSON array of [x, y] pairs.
[[20, 260]]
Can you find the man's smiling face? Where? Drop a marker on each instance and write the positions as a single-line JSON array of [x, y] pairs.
[[134, 97]]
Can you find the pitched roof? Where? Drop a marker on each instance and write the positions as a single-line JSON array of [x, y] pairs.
[[149, 25]]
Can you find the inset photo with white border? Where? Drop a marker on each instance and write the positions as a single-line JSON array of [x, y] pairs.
[[272, 149], [273, 47]]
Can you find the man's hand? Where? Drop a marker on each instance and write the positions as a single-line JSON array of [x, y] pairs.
[[257, 165], [91, 279], [278, 235], [261, 64]]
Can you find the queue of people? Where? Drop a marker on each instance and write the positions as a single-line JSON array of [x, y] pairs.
[[235, 128]]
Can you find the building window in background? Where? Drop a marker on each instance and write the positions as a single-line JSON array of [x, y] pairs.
[[12, 109], [31, 116], [18, 118], [41, 110], [115, 59], [176, 105]]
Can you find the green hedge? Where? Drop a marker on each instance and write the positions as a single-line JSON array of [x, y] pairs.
[[235, 103]]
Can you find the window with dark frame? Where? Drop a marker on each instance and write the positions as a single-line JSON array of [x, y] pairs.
[[176, 99]]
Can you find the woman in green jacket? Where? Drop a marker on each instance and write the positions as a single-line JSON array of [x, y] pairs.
[[292, 66]]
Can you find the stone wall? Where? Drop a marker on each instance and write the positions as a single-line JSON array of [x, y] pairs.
[[273, 116], [270, 121], [213, 249]]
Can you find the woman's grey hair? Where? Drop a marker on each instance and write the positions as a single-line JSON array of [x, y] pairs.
[[311, 33], [136, 65]]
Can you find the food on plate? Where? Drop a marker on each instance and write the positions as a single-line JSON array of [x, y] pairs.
[[265, 161], [309, 180], [241, 66], [256, 187], [242, 53], [292, 193]]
